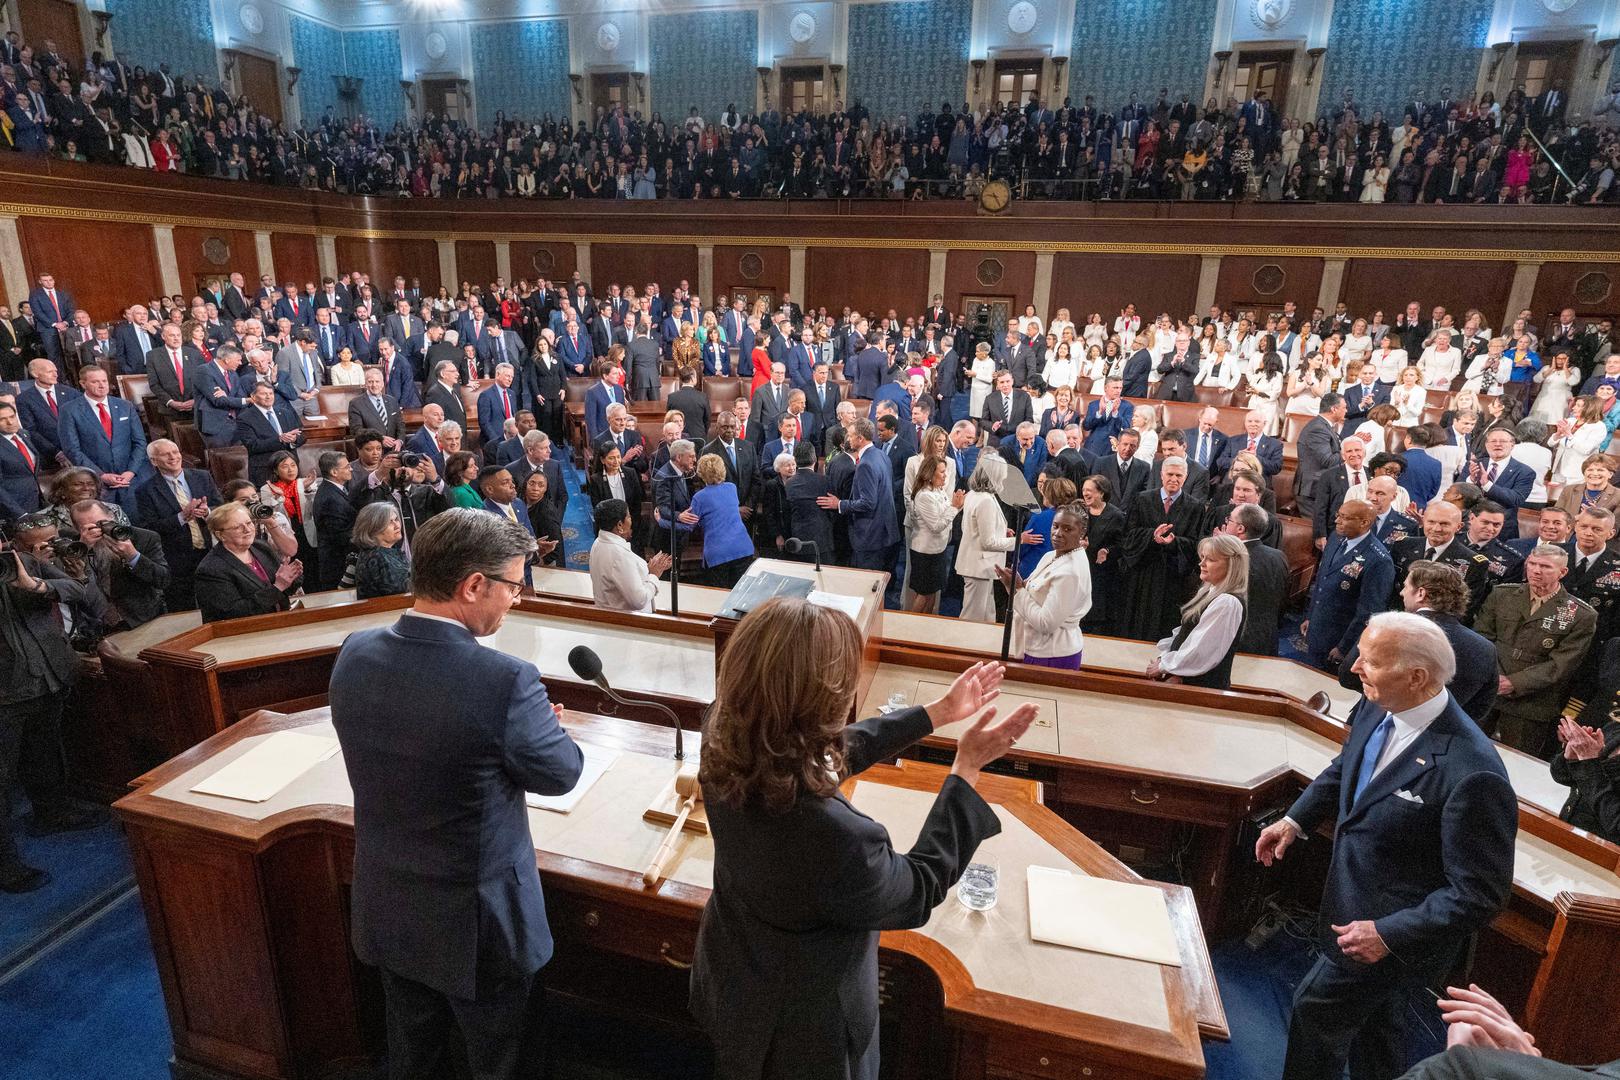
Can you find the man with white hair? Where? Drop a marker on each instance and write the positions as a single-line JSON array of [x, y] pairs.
[[497, 404], [1424, 820], [425, 439]]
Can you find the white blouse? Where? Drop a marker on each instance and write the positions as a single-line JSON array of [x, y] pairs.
[[930, 519], [1208, 641], [1051, 603], [1390, 364]]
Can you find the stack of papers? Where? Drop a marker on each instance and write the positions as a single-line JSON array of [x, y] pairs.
[[597, 762], [263, 771], [849, 605], [1119, 918]]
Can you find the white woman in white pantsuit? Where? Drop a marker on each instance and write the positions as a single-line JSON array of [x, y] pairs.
[[985, 540]]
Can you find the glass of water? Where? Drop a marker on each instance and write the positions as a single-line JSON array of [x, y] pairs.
[[977, 887]]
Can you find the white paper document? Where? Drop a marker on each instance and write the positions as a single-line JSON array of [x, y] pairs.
[[270, 766], [597, 762], [1098, 915], [849, 605]]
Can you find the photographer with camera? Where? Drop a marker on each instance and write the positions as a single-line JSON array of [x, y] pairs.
[[128, 563], [37, 669], [83, 616], [243, 574], [411, 482]]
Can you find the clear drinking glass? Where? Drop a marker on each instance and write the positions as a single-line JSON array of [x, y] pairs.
[[977, 887]]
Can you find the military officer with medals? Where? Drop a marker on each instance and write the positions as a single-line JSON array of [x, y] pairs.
[[1390, 526], [1541, 634], [1502, 563], [1594, 577], [1351, 585], [1442, 521]]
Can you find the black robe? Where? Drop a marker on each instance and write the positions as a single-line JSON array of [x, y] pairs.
[[1106, 533], [1159, 578]]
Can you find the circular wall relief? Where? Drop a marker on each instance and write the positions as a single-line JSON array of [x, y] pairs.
[[1558, 7], [436, 45], [1269, 14], [1592, 288], [751, 266], [544, 261], [1022, 17], [216, 251], [251, 18], [1269, 279], [608, 37], [990, 271], [802, 27]]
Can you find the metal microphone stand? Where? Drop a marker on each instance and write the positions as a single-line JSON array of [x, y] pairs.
[[680, 741]]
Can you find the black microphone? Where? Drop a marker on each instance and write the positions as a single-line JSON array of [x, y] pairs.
[[794, 546], [588, 666]]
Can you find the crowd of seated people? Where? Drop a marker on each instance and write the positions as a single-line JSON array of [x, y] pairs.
[[1520, 150], [1195, 475]]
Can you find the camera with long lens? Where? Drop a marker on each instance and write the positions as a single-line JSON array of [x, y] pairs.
[[410, 459], [118, 533], [260, 511], [65, 547]]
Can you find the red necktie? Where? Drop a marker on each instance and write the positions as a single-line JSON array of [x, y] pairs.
[[1358, 477], [179, 370], [1167, 503], [506, 405], [16, 440], [798, 428], [365, 332], [1251, 444], [50, 399], [106, 419]]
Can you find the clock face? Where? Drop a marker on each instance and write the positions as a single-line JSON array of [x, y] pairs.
[[607, 37], [1022, 16], [252, 19], [996, 196], [802, 27], [436, 45]]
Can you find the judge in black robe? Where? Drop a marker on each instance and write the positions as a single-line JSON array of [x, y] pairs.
[[1160, 569]]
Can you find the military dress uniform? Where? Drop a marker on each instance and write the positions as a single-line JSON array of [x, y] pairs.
[[1395, 528], [1599, 586], [1474, 566], [1502, 563], [1539, 651], [1350, 586]]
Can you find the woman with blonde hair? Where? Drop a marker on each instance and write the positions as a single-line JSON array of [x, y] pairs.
[[1200, 652], [985, 540], [709, 325], [785, 973], [1409, 397], [687, 351], [1577, 437]]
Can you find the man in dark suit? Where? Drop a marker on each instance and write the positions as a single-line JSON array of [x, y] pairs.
[[1266, 448], [873, 532], [497, 404], [1424, 821], [334, 514], [496, 346], [770, 400], [269, 425], [1361, 397], [133, 339], [1128, 473], [1439, 542], [445, 392], [1421, 478], [821, 398], [40, 407], [132, 573], [103, 434], [742, 465], [1177, 369], [865, 372], [1268, 579], [537, 456], [620, 436], [217, 396], [786, 442], [1134, 376], [295, 307], [439, 764], [1016, 357], [1107, 418], [19, 466], [233, 300], [53, 310], [608, 390], [1332, 485], [1351, 585], [169, 374], [1005, 408], [693, 404], [1197, 482], [174, 503], [1204, 441], [1318, 448], [377, 410], [1505, 480]]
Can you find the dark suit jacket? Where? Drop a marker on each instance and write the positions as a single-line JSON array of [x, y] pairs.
[[787, 947], [136, 591], [157, 509], [1318, 448], [439, 766], [1197, 483], [227, 589], [19, 483], [363, 415], [1268, 449], [254, 432], [1135, 374], [1217, 443], [1268, 593], [448, 399], [1428, 870], [556, 490], [54, 667], [1474, 1063], [1002, 421], [1512, 487], [1474, 685], [826, 414], [334, 516], [691, 403], [745, 474], [1127, 485]]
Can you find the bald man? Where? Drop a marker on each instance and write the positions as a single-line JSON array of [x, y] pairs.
[[1439, 542], [1352, 584]]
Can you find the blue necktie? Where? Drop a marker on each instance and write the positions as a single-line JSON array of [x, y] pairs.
[[1369, 755]]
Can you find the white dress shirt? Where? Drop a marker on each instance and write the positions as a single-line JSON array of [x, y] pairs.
[[619, 577], [1051, 603], [1208, 640]]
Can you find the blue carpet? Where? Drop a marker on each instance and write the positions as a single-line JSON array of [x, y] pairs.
[[1257, 986], [90, 1005], [85, 867]]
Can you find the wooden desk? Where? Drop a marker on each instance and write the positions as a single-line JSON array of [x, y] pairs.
[[247, 905]]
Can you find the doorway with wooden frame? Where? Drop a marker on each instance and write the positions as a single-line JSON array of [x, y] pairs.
[[259, 82], [447, 98], [1264, 69], [609, 89]]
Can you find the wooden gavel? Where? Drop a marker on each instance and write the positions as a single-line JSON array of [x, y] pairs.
[[690, 794]]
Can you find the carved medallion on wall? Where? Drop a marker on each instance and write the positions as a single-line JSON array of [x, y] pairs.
[[216, 251], [607, 37], [1558, 7], [544, 261], [751, 266], [802, 27], [1269, 279], [990, 271], [1592, 288], [1270, 14], [435, 45], [251, 18], [1022, 17]]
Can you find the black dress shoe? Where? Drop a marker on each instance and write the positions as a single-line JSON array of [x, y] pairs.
[[69, 820], [19, 878]]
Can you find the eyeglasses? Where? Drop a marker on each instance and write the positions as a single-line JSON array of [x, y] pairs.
[[516, 586]]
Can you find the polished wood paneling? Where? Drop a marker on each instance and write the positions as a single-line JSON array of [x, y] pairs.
[[553, 261], [196, 267], [729, 278], [475, 261], [294, 254], [1106, 283], [1387, 285], [872, 279], [56, 21], [260, 83], [1555, 289], [382, 259], [1236, 286], [637, 264], [106, 266], [1010, 274]]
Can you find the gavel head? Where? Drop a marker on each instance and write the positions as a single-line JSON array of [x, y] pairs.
[[686, 784]]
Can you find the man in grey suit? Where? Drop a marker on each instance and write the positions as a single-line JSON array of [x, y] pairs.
[[441, 738], [377, 411], [644, 358], [301, 363], [1318, 448], [1268, 579], [401, 326], [770, 400]]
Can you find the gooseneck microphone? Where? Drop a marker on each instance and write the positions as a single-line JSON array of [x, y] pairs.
[[794, 546], [588, 666]]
